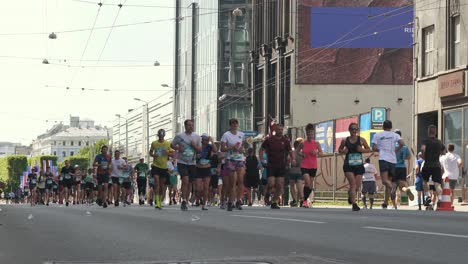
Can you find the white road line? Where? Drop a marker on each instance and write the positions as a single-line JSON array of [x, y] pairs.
[[416, 232], [281, 219]]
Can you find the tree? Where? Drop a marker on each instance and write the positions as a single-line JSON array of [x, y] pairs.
[[11, 168]]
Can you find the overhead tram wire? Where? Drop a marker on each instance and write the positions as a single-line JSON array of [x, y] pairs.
[[87, 43]]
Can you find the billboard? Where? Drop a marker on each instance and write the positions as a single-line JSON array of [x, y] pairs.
[[366, 131], [324, 135], [341, 129], [355, 42]]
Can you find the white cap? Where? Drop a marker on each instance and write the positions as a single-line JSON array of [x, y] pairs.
[[76, 165], [142, 158], [205, 135]]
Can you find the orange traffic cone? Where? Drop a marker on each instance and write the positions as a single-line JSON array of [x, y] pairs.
[[446, 201]]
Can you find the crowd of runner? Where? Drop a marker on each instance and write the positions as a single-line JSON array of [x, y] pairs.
[[196, 170]]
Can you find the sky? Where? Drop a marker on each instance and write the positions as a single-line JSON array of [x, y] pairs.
[[120, 59]]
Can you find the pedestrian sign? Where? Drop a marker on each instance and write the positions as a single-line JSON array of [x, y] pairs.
[[378, 116]]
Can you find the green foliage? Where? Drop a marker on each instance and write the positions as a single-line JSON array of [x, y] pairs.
[[87, 152], [83, 162], [39, 159], [11, 168]]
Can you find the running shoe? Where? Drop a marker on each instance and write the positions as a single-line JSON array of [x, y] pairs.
[[274, 206], [67, 203], [356, 207], [204, 208], [117, 203], [250, 204], [239, 205], [104, 205], [410, 194], [301, 203], [428, 201], [305, 204], [222, 206], [230, 206], [47, 204], [293, 203], [384, 206], [183, 206]]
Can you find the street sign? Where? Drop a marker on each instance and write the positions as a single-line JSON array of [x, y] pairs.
[[250, 133], [378, 116]]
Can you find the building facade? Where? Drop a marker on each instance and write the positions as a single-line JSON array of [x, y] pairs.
[[303, 75], [130, 131], [67, 140], [212, 65], [440, 70], [8, 148]]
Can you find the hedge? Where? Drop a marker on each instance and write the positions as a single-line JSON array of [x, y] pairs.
[[80, 161], [11, 168]]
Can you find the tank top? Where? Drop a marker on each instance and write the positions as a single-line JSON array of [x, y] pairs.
[[309, 161], [353, 157]]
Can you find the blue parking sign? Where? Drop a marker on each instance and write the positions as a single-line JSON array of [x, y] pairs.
[[378, 116]]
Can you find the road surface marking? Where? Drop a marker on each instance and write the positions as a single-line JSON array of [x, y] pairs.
[[281, 219], [416, 232]]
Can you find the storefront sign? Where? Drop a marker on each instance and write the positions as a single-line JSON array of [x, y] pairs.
[[452, 84]]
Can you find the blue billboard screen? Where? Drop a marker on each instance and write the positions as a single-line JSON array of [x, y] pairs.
[[361, 27]]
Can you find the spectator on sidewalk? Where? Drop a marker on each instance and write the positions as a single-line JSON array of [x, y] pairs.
[[419, 181], [368, 183], [451, 162]]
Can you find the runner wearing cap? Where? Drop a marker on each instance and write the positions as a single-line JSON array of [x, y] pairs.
[[67, 173], [203, 176], [141, 170], [160, 151]]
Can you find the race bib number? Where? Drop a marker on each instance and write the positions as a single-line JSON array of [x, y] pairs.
[[142, 174], [49, 181], [121, 180], [67, 176], [104, 165], [78, 180], [151, 181], [213, 171], [355, 159], [189, 153], [204, 161], [33, 181], [61, 178], [236, 155]]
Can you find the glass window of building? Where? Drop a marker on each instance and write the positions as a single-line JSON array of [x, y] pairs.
[[79, 143], [239, 72], [64, 143], [71, 143], [428, 51], [455, 58], [72, 153], [64, 154], [453, 129], [55, 153]]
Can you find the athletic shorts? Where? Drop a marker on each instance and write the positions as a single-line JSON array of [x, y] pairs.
[[49, 187], [400, 175], [432, 187], [42, 190], [264, 182], [234, 165], [368, 187], [127, 185], [435, 172], [453, 184], [151, 182], [356, 170], [67, 183], [187, 170], [385, 166], [296, 177], [116, 180], [251, 183], [89, 186], [102, 178], [311, 172], [203, 173], [77, 183], [173, 181], [276, 172]]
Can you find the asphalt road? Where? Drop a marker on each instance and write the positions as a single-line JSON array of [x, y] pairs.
[[144, 235]]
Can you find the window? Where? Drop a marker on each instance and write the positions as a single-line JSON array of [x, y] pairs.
[[64, 143], [72, 153], [271, 91], [287, 86], [287, 17], [226, 72], [87, 143], [55, 143], [79, 143], [453, 129], [239, 72], [55, 153], [71, 143], [428, 51], [64, 154], [455, 54]]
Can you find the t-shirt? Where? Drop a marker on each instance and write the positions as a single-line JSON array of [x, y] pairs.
[[188, 156], [450, 163], [89, 178], [205, 155], [231, 140], [141, 169], [432, 153], [402, 155], [277, 149], [103, 163], [32, 178], [369, 174], [309, 161], [251, 164], [158, 147], [116, 163], [66, 172], [386, 142], [49, 178]]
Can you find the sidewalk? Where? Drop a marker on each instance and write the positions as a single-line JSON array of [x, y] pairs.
[[459, 207]]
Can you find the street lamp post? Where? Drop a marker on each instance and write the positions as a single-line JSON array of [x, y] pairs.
[[147, 127], [126, 133]]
